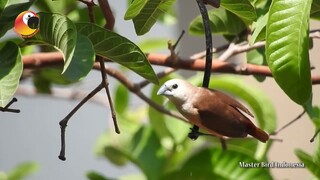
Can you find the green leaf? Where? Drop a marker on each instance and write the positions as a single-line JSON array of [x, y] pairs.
[[259, 27], [216, 163], [115, 155], [154, 44], [242, 8], [21, 171], [315, 10], [146, 150], [121, 99], [134, 9], [309, 162], [221, 22], [118, 49], [287, 46], [3, 4], [9, 15], [149, 15], [93, 175], [82, 59], [11, 68], [314, 114]]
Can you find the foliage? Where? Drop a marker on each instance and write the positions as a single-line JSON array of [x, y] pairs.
[[20, 172], [282, 24]]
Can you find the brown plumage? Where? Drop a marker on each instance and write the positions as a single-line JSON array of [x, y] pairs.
[[211, 110]]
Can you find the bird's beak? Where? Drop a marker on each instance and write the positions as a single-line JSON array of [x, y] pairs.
[[163, 90]]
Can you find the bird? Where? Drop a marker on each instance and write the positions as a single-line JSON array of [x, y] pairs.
[[212, 110], [26, 24]]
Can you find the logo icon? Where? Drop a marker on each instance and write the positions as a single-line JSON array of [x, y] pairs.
[[27, 24]]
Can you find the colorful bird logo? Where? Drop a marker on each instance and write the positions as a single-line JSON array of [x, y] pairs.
[[27, 24]]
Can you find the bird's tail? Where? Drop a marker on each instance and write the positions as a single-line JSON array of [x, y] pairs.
[[258, 133]]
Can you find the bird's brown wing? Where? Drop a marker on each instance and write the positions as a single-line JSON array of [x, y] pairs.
[[222, 114], [232, 102]]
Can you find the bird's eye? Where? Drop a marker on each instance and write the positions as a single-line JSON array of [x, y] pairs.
[[175, 86]]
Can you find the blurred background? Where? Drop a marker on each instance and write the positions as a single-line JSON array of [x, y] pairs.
[[34, 134]]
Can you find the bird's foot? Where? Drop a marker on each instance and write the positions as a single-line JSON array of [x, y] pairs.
[[194, 134]]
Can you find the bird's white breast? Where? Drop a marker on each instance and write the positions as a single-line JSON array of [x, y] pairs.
[[188, 110]]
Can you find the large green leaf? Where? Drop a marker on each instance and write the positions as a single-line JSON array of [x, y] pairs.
[[82, 59], [287, 46], [221, 22], [309, 162], [134, 9], [118, 49], [149, 15], [11, 68], [9, 15], [216, 163], [242, 8]]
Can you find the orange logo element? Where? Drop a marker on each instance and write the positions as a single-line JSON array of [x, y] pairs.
[[27, 24]]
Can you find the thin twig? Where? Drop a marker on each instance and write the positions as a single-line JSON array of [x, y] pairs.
[[202, 54], [105, 83], [7, 109], [64, 122], [289, 123], [107, 13], [90, 4], [235, 49], [180, 37], [315, 135]]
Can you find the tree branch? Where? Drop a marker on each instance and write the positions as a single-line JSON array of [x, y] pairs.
[[39, 60], [107, 13]]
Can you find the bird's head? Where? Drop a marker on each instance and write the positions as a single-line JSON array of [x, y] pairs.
[[176, 90]]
